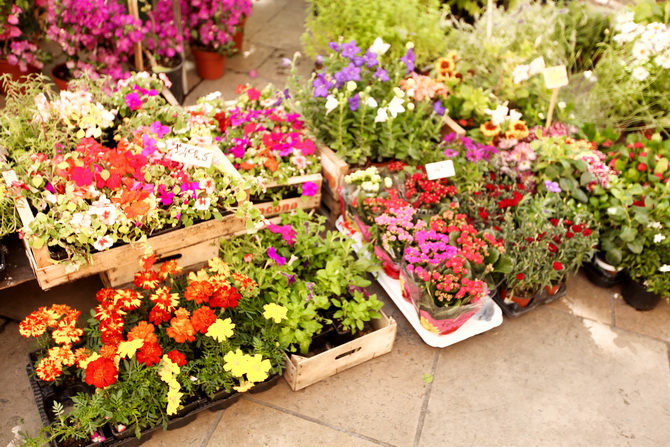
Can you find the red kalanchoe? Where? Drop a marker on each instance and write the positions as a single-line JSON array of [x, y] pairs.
[[101, 373]]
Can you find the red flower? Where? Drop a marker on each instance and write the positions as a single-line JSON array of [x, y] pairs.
[[587, 232], [158, 315], [554, 221], [177, 357], [202, 319], [198, 291], [552, 248], [641, 167], [225, 296], [147, 279], [577, 228], [557, 265], [520, 276], [253, 94], [149, 354], [569, 235], [638, 145], [101, 372]]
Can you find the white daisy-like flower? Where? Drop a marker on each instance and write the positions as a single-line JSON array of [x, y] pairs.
[[658, 238], [664, 268], [640, 73]]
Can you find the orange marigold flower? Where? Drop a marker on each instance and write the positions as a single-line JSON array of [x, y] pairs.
[[177, 357], [61, 309], [81, 354], [67, 334], [128, 299], [63, 355], [202, 319], [111, 336], [109, 350], [101, 372], [149, 354], [181, 329], [164, 299], [198, 291], [158, 315], [489, 129], [104, 295], [182, 313], [147, 279], [48, 369], [148, 261], [34, 325], [170, 267], [244, 281], [143, 331]]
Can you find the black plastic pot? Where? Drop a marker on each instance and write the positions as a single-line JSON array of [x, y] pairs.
[[175, 75], [3, 260], [265, 385], [600, 276], [542, 297], [222, 400], [638, 297]]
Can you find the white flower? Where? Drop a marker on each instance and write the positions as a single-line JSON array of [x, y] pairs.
[[664, 268], [514, 115], [379, 47], [520, 73], [410, 106], [103, 243], [202, 204], [588, 74], [43, 107], [388, 182], [331, 104], [212, 96], [370, 102], [381, 115], [561, 105], [396, 106], [658, 237], [656, 225], [640, 73], [498, 115], [641, 51], [351, 86], [536, 66], [663, 60], [399, 93]]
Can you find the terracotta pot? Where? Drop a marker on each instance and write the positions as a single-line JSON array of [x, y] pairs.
[[238, 38], [551, 290], [209, 64], [60, 75], [15, 72], [521, 301]]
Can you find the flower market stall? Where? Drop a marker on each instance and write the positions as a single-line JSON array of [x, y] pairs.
[[459, 173]]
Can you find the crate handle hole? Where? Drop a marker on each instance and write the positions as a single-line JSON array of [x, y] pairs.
[[168, 258], [344, 354]]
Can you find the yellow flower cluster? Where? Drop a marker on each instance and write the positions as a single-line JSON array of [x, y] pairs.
[[168, 371], [240, 364]]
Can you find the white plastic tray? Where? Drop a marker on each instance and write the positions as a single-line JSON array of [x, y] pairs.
[[487, 318]]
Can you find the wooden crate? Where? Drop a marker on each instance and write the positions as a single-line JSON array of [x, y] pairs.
[[303, 371], [287, 205], [194, 245]]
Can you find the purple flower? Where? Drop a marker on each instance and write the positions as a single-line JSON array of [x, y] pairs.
[[287, 232], [450, 153], [334, 46], [309, 188], [382, 75], [449, 138], [552, 186], [371, 59], [348, 73], [321, 86], [291, 278], [272, 253], [439, 108], [349, 50], [354, 102], [318, 59], [409, 59], [133, 101], [159, 129]]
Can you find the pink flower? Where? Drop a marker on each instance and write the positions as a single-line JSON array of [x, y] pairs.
[[103, 243], [272, 253], [133, 101], [309, 188]]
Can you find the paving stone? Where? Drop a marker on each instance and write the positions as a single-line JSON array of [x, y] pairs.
[[263, 12], [226, 85], [654, 323], [285, 28], [194, 434], [253, 55], [278, 69], [586, 300], [380, 399], [551, 379], [251, 424]]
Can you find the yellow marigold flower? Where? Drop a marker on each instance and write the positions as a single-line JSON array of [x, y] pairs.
[[218, 266], [67, 335], [63, 355], [489, 129], [128, 348], [257, 368], [236, 362], [200, 275], [167, 369], [173, 400], [275, 312], [84, 362], [221, 330]]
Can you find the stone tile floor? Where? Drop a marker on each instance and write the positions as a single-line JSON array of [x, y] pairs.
[[586, 370]]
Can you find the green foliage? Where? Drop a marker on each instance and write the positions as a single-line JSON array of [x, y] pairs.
[[355, 312], [396, 22]]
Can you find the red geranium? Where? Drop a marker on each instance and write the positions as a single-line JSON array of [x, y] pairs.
[[101, 372], [520, 276]]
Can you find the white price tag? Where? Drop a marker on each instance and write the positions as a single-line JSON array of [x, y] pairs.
[[192, 155], [440, 169], [555, 77]]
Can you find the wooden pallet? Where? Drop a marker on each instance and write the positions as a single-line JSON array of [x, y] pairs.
[[287, 205], [303, 371]]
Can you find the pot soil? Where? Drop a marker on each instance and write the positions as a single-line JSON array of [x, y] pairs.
[[638, 297]]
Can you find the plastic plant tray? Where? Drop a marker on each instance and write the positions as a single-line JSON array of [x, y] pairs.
[[489, 317]]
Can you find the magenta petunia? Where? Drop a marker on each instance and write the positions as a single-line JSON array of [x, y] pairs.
[[309, 188], [133, 101], [272, 253], [287, 232]]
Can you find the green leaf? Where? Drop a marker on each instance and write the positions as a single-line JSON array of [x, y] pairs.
[[580, 195], [636, 246], [613, 256], [427, 378], [627, 234]]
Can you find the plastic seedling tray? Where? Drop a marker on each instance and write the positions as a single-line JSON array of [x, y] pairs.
[[489, 317]]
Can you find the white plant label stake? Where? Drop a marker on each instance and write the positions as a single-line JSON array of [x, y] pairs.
[[440, 169], [192, 155], [554, 78]]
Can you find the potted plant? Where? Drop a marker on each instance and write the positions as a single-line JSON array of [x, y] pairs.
[[9, 220], [20, 33], [96, 36], [163, 44], [210, 26]]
